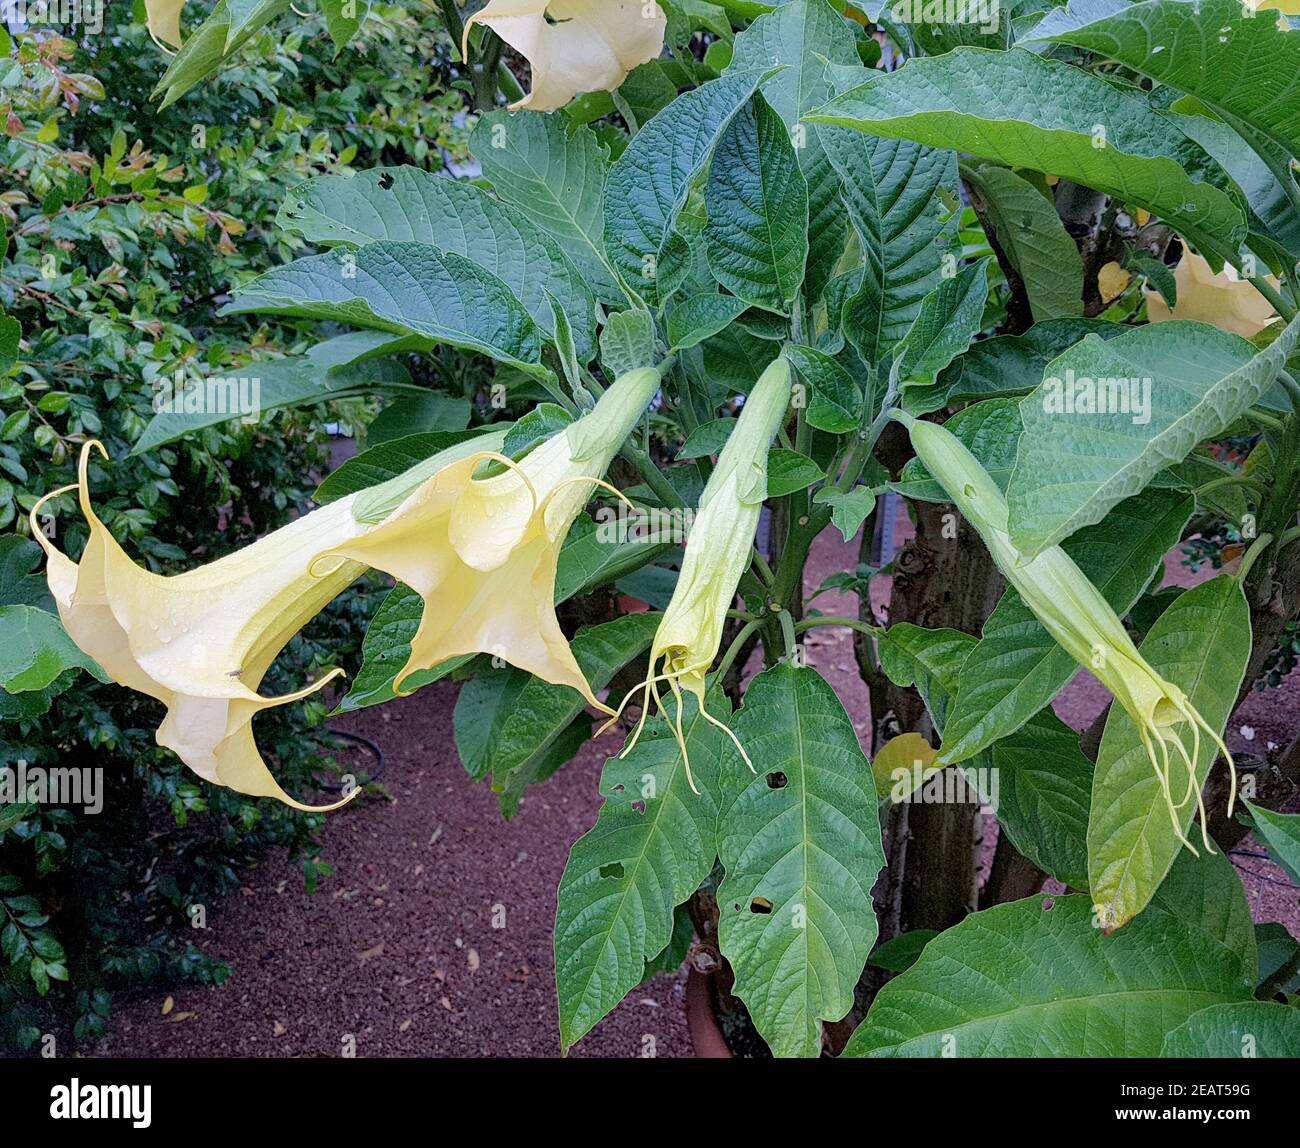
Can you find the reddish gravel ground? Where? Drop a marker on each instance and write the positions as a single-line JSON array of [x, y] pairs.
[[398, 949]]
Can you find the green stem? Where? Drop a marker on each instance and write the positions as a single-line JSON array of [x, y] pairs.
[[624, 109], [736, 646], [867, 442], [837, 620], [794, 554], [508, 84], [451, 17], [1230, 480], [1267, 421], [1256, 549], [787, 631], [1280, 305], [1292, 389], [654, 477]]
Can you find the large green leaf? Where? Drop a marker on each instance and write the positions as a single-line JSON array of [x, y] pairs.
[[1018, 667], [1005, 364], [424, 412], [35, 649], [410, 205], [902, 200], [596, 553], [1207, 892], [930, 660], [701, 317], [1273, 219], [557, 179], [298, 381], [1278, 952], [734, 358], [20, 583], [406, 288], [1201, 644], [1159, 390], [1026, 111], [1233, 58], [757, 202], [946, 322], [1034, 239], [836, 402], [1248, 1029], [506, 720], [649, 183], [1044, 784], [1037, 978], [653, 844], [800, 844], [800, 38], [1281, 833]]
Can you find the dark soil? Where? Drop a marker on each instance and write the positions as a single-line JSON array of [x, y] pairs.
[[399, 950]]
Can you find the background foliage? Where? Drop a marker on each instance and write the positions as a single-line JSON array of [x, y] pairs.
[[124, 228]]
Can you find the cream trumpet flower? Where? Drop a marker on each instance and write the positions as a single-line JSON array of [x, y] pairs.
[[1074, 612], [1223, 300], [163, 19], [574, 46], [200, 642], [717, 554], [482, 552]]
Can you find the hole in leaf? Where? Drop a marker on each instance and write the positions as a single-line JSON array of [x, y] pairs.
[[760, 905], [639, 806], [777, 780], [613, 869], [1047, 904], [386, 181]]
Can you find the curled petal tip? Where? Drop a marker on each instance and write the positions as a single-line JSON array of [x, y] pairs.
[[330, 808]]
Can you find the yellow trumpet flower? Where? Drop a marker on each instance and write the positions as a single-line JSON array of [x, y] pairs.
[[1223, 300], [1074, 612], [482, 552], [717, 554], [163, 19], [200, 642], [574, 46]]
